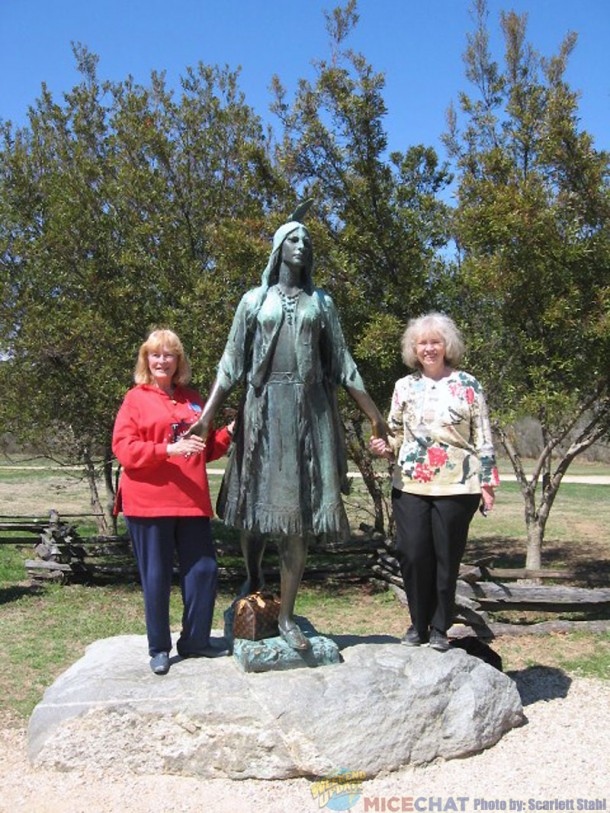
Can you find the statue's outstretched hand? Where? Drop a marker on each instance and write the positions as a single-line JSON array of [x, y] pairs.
[[380, 429], [200, 428], [204, 424]]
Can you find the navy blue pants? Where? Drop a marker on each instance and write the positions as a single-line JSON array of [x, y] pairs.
[[154, 542], [431, 535]]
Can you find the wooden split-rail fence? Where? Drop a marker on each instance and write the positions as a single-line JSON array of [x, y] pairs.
[[60, 554], [482, 589]]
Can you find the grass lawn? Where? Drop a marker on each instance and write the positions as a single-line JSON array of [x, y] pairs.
[[44, 630]]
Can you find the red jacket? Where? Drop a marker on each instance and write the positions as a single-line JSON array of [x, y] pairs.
[[153, 484]]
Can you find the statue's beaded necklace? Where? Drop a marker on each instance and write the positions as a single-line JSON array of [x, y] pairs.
[[289, 304]]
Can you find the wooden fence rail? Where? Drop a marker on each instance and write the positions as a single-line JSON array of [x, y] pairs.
[[61, 555], [481, 589]]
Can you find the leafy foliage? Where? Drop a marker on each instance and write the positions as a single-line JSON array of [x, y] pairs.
[[381, 216], [533, 281], [121, 209]]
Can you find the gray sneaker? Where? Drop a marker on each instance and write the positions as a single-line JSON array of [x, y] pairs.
[[159, 663]]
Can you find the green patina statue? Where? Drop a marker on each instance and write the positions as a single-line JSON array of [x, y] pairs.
[[288, 467]]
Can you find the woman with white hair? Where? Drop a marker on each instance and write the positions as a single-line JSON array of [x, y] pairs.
[[289, 465], [444, 468]]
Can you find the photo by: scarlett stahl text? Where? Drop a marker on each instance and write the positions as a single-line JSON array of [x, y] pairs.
[[466, 804]]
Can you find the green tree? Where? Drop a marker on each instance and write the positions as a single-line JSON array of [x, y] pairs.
[[57, 266], [120, 209], [533, 277], [380, 220]]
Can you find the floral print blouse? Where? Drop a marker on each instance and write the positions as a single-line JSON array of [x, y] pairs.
[[442, 435]]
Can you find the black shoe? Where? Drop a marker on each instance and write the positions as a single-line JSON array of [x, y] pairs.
[[411, 638], [159, 663], [207, 652], [438, 641]]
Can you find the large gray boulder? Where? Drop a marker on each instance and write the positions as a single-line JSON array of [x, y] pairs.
[[384, 707]]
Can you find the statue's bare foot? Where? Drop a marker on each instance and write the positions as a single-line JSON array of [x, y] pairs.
[[293, 635]]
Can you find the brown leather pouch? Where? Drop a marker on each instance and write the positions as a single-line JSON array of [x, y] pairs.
[[255, 616]]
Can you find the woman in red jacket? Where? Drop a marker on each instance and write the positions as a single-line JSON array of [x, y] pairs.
[[165, 497]]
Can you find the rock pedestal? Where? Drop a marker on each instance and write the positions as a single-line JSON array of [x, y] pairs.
[[383, 707], [274, 654]]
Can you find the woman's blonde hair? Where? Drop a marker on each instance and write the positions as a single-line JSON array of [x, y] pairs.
[[158, 340], [432, 324]]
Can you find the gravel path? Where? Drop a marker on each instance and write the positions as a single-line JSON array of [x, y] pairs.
[[561, 755]]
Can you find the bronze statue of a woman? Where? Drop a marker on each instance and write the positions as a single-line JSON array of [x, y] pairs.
[[289, 464]]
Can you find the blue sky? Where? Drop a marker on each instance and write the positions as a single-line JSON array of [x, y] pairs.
[[418, 44]]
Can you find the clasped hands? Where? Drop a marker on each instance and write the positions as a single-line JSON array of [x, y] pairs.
[[381, 448], [379, 443], [193, 438], [186, 445]]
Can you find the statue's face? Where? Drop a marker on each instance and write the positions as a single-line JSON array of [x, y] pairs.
[[296, 248]]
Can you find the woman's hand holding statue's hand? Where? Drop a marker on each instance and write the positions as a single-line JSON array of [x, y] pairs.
[[379, 443], [380, 448], [186, 446]]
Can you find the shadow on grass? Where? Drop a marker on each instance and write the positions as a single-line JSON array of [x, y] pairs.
[[495, 551], [593, 574], [15, 592], [537, 683], [345, 640], [587, 565]]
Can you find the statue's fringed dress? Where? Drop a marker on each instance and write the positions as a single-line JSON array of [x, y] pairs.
[[288, 466]]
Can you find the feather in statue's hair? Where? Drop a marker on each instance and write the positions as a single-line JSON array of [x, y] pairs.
[[301, 210]]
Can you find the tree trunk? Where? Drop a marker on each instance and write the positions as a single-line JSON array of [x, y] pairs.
[[110, 487], [96, 503], [535, 534], [362, 458], [544, 481]]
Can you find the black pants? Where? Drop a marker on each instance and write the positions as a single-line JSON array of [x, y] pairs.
[[431, 534]]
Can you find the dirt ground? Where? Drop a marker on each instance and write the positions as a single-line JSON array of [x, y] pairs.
[[560, 754], [61, 491]]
